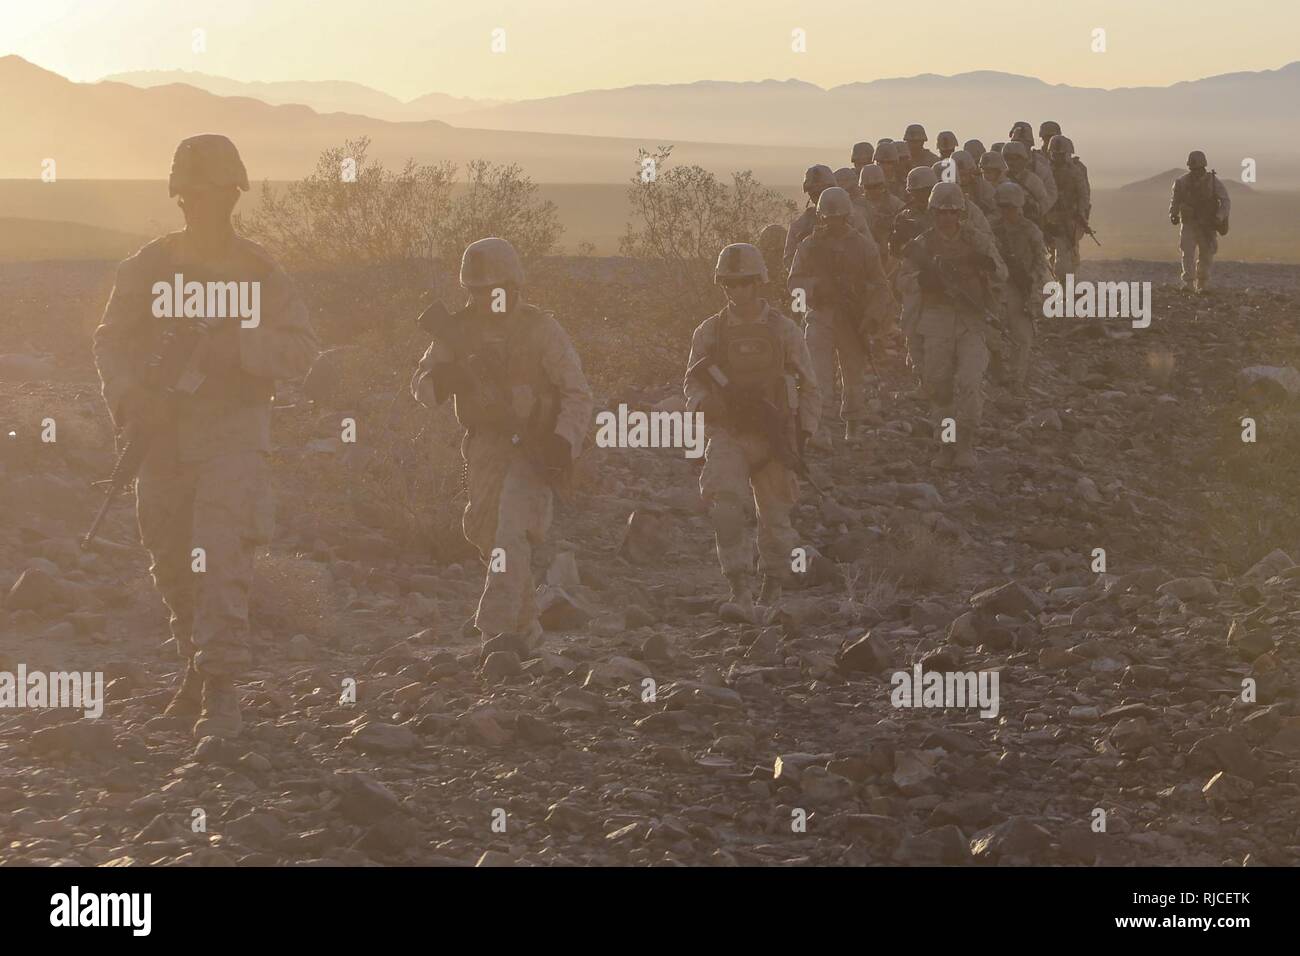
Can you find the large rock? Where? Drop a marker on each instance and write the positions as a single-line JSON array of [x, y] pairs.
[[363, 799], [558, 610], [868, 654], [1281, 380], [1011, 598], [1190, 589], [1273, 563]]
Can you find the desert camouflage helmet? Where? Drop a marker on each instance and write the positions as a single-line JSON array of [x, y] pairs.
[[871, 175], [772, 237], [1196, 160], [740, 260], [882, 141], [975, 147], [887, 152], [996, 147], [947, 196], [818, 177], [1015, 150], [846, 177], [834, 202], [1009, 194], [940, 169], [1061, 145], [862, 153], [992, 160], [1021, 132], [946, 138], [964, 160], [921, 178], [208, 159], [1049, 128], [490, 263], [915, 133]]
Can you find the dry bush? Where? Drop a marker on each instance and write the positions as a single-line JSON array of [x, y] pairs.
[[914, 557], [685, 215], [353, 210], [353, 213]]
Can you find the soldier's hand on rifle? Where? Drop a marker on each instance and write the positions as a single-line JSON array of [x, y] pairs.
[[557, 452]]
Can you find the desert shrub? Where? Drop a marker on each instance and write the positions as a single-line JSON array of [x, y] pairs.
[[352, 210], [684, 215], [353, 213]]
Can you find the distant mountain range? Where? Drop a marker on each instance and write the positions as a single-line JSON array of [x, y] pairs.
[[323, 96], [117, 131], [1163, 182], [775, 127]]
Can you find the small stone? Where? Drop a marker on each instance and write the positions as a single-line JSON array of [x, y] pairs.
[[867, 654], [500, 666]]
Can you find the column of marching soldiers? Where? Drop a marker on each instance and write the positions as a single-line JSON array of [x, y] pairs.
[[948, 246]]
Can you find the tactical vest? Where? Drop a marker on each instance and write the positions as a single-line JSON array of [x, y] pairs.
[[839, 266], [511, 392], [958, 257], [1197, 201]]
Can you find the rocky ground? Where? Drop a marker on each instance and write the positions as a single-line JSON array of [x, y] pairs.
[[1121, 690]]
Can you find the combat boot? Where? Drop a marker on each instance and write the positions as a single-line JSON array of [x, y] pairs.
[[964, 459], [188, 699], [739, 607], [219, 716]]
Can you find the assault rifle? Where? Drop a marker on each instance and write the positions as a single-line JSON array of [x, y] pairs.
[[172, 372], [746, 410], [482, 371], [1087, 229]]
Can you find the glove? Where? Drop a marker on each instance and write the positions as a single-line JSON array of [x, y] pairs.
[[1173, 218], [557, 453]]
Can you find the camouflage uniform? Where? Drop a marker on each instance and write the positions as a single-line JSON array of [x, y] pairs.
[[736, 457], [954, 350], [1063, 224], [851, 258], [510, 498], [1198, 238], [205, 482], [1021, 247]]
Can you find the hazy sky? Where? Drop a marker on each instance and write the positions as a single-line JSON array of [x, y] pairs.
[[411, 47]]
